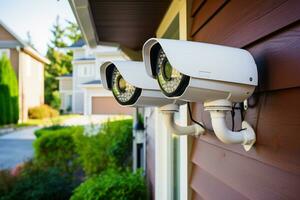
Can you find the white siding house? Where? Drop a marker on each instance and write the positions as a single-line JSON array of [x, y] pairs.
[[82, 92]]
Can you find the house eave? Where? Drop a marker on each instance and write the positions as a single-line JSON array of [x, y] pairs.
[[82, 12], [9, 44], [35, 55]]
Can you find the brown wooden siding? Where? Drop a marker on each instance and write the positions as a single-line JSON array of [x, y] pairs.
[[5, 35], [270, 30]]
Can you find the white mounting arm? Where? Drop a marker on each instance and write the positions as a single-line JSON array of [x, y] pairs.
[[168, 112], [217, 110]]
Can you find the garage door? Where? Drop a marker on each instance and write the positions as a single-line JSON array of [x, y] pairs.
[[108, 105]]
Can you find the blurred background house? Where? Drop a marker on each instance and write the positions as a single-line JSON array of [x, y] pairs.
[[28, 65], [82, 92]]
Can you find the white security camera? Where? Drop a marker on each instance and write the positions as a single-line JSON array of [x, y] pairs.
[[213, 74], [195, 71], [130, 84]]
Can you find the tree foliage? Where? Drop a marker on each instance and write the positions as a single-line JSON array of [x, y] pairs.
[[9, 100], [73, 32], [60, 62]]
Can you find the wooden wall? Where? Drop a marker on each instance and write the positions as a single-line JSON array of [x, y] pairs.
[[270, 30]]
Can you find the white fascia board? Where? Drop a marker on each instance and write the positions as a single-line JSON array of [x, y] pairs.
[[83, 15]]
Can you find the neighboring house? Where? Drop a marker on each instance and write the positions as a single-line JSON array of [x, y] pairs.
[[205, 168], [82, 91], [29, 67]]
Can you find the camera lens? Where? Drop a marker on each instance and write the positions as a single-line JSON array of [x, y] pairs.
[[167, 70], [171, 81], [121, 84], [124, 92]]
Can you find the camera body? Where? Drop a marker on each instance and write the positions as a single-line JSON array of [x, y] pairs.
[[200, 71]]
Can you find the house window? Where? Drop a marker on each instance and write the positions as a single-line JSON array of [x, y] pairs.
[[4, 52]]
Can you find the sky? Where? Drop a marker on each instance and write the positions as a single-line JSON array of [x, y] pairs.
[[35, 16]]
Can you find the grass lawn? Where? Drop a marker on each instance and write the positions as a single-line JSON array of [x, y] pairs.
[[41, 122]]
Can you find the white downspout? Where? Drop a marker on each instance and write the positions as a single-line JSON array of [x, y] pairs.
[[168, 112]]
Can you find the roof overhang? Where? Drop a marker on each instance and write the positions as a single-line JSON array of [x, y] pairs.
[[33, 53], [82, 12], [129, 22], [20, 44]]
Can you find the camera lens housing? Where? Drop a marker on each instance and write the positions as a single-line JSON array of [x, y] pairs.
[[124, 92], [171, 81]]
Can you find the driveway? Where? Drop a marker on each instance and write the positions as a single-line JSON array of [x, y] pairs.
[[16, 147]]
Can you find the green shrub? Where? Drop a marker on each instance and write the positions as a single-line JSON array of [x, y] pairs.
[[111, 147], [38, 133], [119, 134], [7, 182], [68, 148], [9, 92], [42, 112], [57, 148], [92, 151], [40, 184], [112, 185]]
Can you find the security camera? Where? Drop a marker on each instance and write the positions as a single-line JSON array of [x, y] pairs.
[[130, 84], [195, 71], [216, 75]]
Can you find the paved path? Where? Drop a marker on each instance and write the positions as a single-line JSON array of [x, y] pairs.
[[16, 147]]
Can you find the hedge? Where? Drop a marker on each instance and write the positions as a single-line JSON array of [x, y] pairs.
[[42, 112], [9, 100], [62, 154], [69, 148], [112, 184], [112, 147], [35, 183], [51, 129], [56, 148]]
